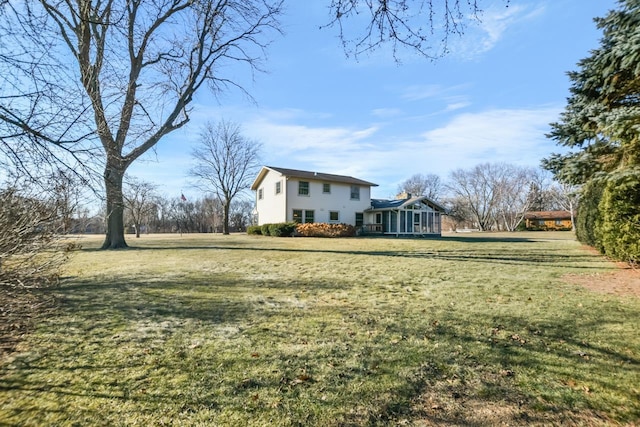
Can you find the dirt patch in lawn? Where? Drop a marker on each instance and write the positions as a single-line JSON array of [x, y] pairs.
[[624, 281]]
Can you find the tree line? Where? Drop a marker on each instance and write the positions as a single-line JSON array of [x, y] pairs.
[[493, 196]]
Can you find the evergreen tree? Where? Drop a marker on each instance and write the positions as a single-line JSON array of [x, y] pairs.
[[601, 124]]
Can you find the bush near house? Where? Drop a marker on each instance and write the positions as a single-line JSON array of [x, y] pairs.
[[264, 229], [280, 229], [325, 230], [288, 229], [255, 230]]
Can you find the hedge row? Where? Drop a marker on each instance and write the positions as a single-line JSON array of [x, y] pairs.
[[281, 229], [326, 230], [609, 215], [287, 229]]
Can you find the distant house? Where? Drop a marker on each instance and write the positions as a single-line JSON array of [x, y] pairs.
[[284, 195], [548, 220]]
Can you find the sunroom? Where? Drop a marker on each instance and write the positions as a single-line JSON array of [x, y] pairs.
[[405, 215]]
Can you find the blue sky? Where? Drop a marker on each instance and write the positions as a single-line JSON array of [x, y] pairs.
[[491, 99]]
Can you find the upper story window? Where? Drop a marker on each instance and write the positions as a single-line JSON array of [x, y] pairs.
[[260, 194], [326, 188], [303, 188], [355, 192], [278, 187]]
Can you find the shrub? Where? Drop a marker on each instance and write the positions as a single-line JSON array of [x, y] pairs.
[[588, 216], [31, 250], [254, 230], [620, 210], [282, 229], [264, 229], [319, 229]]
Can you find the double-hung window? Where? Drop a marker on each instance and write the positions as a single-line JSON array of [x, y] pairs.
[[260, 194], [308, 216], [355, 192], [326, 188], [334, 216], [302, 216], [303, 188], [278, 187]]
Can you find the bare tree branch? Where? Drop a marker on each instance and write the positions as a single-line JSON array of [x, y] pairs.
[[420, 26]]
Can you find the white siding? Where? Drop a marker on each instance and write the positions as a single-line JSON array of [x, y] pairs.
[[339, 200], [271, 208], [274, 208]]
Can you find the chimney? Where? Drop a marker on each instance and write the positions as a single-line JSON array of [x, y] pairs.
[[403, 196]]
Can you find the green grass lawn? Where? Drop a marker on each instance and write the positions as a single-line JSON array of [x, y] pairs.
[[476, 329]]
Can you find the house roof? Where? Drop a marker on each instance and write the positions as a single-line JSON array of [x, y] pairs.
[[311, 176], [386, 205], [547, 215]]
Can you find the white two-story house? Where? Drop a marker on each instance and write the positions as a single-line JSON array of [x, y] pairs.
[[284, 195]]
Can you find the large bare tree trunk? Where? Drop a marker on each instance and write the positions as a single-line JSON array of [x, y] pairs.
[[225, 221], [113, 177]]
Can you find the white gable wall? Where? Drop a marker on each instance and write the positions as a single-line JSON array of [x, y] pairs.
[[272, 207]]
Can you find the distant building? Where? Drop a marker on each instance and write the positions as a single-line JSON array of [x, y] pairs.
[[548, 220]]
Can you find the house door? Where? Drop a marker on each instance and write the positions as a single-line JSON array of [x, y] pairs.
[[416, 223]]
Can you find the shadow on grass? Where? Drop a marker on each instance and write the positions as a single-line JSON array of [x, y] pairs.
[[487, 368], [518, 253], [519, 372], [147, 321], [532, 370]]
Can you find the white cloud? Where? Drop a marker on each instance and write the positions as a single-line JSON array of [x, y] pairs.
[[499, 135], [456, 105], [513, 136], [494, 23], [420, 92], [386, 113], [384, 155]]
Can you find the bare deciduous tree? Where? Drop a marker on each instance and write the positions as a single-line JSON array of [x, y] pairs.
[[226, 163], [474, 187], [242, 214], [566, 197], [119, 75], [428, 185], [140, 201], [67, 190], [513, 185], [494, 194]]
